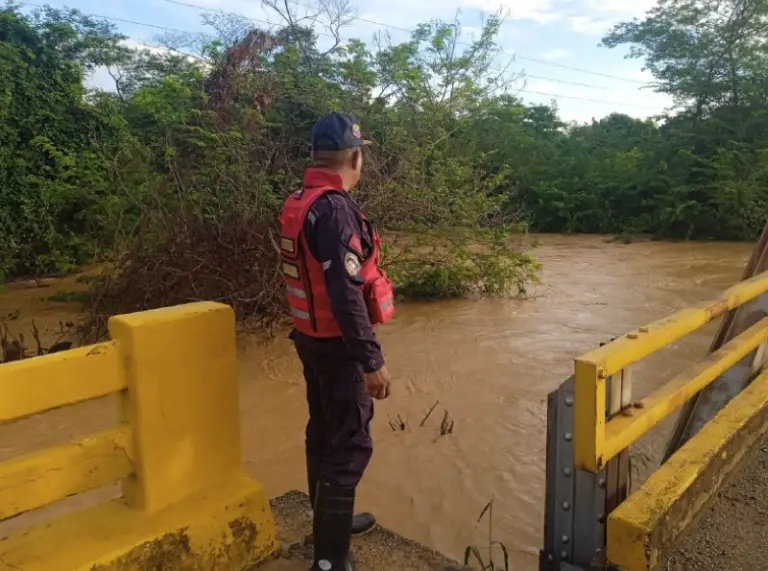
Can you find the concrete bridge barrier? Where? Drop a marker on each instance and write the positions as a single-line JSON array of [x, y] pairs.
[[186, 503]]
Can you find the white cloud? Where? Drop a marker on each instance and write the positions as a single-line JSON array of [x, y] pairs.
[[640, 75], [99, 78], [539, 11], [596, 17], [592, 26], [626, 8], [557, 53], [136, 44], [591, 17]]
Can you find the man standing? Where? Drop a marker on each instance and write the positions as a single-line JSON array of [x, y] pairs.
[[336, 293]]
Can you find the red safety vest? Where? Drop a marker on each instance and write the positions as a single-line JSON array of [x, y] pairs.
[[308, 299]]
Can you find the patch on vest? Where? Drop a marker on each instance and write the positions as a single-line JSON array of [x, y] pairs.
[[291, 270], [288, 245], [352, 264]]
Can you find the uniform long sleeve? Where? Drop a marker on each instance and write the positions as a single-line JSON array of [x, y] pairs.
[[337, 236]]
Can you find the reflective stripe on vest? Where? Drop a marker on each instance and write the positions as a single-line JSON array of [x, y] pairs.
[[300, 314], [296, 292]]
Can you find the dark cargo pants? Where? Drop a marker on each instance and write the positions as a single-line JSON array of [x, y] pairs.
[[338, 439]]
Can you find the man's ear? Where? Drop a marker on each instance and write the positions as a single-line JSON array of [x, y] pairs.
[[357, 157]]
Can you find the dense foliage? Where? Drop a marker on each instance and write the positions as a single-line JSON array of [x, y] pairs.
[[55, 148], [178, 173]]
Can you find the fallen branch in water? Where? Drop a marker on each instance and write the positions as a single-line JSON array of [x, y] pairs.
[[446, 425], [13, 346], [429, 413], [397, 423], [235, 262]]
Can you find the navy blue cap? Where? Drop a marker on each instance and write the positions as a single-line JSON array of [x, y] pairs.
[[336, 132]]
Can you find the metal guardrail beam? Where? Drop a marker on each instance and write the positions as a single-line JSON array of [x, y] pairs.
[[593, 368], [621, 431], [558, 520], [705, 405]]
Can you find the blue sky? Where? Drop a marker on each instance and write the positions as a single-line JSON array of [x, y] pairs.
[[535, 35]]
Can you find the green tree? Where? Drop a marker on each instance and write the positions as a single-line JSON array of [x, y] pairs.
[[711, 56], [54, 145]]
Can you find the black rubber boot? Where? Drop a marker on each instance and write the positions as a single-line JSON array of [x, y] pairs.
[[332, 528], [362, 523]]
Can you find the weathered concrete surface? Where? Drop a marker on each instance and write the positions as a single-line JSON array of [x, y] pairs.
[[225, 527], [731, 533], [379, 550]]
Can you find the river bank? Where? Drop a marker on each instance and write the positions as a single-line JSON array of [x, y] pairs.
[[489, 364]]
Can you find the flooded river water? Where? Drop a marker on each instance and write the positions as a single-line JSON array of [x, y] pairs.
[[489, 363]]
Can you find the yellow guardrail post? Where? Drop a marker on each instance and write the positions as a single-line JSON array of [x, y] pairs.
[[186, 499], [589, 420], [181, 402]]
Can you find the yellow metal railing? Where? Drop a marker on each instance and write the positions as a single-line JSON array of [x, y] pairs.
[[596, 441]]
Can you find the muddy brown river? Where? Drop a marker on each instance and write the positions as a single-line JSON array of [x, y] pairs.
[[490, 364]]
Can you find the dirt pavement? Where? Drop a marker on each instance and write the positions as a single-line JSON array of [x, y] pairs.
[[731, 534], [379, 550]]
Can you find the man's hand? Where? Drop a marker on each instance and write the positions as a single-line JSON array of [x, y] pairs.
[[377, 384]]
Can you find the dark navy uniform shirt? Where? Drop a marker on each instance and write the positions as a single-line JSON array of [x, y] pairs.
[[340, 239]]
